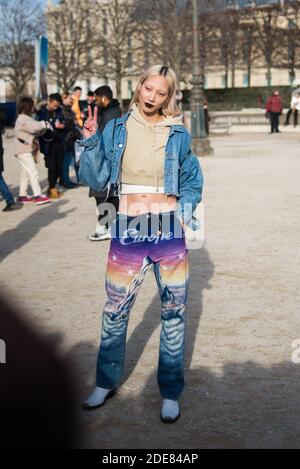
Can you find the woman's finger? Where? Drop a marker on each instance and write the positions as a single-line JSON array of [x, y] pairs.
[[89, 113], [95, 113]]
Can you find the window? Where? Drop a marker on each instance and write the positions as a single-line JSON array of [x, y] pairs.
[[129, 89], [129, 60], [291, 78], [268, 79], [245, 79], [105, 56]]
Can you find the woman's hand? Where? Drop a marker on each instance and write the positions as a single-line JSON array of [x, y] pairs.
[[90, 126], [59, 125]]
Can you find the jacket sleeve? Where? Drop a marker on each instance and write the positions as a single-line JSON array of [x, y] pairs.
[[39, 116], [95, 161], [190, 184], [32, 126]]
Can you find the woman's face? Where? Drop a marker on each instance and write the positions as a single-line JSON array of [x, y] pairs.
[[153, 94]]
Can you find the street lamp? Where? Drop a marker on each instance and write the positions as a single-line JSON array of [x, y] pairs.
[[200, 143]]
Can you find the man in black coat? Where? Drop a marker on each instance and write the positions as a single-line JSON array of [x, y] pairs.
[[52, 142], [109, 108], [4, 190]]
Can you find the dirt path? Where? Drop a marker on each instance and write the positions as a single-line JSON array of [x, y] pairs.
[[242, 388]]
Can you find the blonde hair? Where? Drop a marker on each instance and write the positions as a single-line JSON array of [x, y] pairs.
[[170, 107]]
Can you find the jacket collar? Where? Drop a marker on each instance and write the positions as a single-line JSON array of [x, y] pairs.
[[122, 120]]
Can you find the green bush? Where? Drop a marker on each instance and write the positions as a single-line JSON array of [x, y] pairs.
[[235, 99]]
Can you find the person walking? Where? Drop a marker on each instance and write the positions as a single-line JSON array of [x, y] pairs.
[[26, 132], [109, 108], [4, 190], [146, 155], [294, 109], [274, 108], [89, 102], [52, 142], [207, 118], [77, 93]]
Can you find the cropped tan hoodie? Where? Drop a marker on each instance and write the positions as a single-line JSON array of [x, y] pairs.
[[143, 158]]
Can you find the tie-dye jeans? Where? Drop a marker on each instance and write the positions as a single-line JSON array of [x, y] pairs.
[[138, 242]]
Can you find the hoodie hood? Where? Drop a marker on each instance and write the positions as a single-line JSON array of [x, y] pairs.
[[167, 122], [144, 155]]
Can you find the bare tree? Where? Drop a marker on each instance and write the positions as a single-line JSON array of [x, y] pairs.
[[72, 41], [228, 25], [250, 51], [118, 38], [291, 39], [224, 41], [266, 19], [207, 35], [168, 24], [20, 23]]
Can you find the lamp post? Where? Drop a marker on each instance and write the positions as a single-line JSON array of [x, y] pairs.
[[200, 143]]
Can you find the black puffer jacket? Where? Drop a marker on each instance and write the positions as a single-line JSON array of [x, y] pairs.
[[71, 131], [106, 114]]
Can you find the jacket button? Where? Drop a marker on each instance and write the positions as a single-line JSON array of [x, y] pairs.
[[120, 145]]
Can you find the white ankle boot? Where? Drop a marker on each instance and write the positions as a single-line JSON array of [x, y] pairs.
[[98, 398], [170, 411]]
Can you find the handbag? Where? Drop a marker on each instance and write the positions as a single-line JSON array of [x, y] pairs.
[[35, 148]]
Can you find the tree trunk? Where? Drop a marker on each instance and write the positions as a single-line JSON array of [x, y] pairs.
[[233, 75], [119, 86]]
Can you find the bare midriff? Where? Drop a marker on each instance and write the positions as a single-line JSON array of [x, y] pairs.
[[137, 204]]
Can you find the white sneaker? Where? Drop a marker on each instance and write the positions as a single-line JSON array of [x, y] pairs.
[[100, 236]]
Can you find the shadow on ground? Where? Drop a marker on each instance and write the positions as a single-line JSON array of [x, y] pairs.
[[16, 238], [245, 406]]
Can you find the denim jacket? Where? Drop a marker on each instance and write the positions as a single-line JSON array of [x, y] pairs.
[[100, 165]]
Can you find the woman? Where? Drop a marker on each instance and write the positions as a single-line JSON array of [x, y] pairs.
[[26, 130], [146, 156], [4, 190]]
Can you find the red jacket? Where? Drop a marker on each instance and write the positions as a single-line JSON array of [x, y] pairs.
[[274, 104]]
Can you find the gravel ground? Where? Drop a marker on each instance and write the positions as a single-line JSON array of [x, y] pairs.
[[242, 387]]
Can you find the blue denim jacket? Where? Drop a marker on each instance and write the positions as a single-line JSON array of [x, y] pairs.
[[100, 165]]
